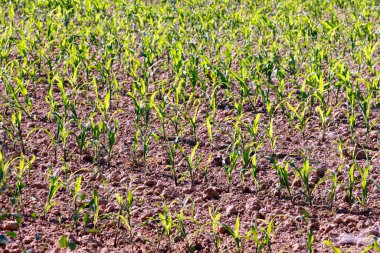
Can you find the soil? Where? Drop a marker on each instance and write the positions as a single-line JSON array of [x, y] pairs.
[[348, 225], [152, 186]]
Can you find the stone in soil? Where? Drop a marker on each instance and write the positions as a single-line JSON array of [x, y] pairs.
[[9, 225], [231, 210], [211, 193]]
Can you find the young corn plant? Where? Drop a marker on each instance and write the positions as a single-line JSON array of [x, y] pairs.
[[95, 208], [124, 206], [261, 236], [253, 130], [111, 137], [334, 248], [191, 161], [254, 170], [374, 247], [19, 172], [214, 222], [5, 166], [334, 184], [351, 183], [235, 235], [365, 107], [231, 166], [54, 186], [62, 134], [167, 225], [282, 175], [324, 117], [364, 172], [193, 120], [181, 225], [75, 194], [272, 137], [300, 112], [304, 174], [80, 137], [246, 161]]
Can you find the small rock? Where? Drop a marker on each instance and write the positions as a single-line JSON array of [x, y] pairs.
[[296, 247], [320, 171], [188, 190], [329, 227], [360, 154], [147, 215], [4, 240], [297, 183], [351, 219], [150, 183], [375, 231], [39, 185], [160, 185], [252, 204], [373, 135], [88, 158], [31, 125], [218, 160], [137, 180], [170, 193], [9, 225], [198, 246], [28, 239], [339, 218], [110, 208], [222, 230], [211, 193], [231, 210]]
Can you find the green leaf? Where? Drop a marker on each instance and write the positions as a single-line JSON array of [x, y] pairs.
[[335, 249], [63, 244], [12, 234]]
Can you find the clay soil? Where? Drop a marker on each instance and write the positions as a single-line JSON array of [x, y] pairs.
[[349, 226], [153, 186]]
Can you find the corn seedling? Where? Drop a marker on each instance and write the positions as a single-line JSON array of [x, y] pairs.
[[235, 235], [54, 186], [215, 221], [282, 175], [124, 206], [272, 137], [364, 184], [191, 161], [94, 206], [304, 174], [75, 194], [167, 225]]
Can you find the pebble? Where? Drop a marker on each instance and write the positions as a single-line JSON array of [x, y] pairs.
[[320, 171], [146, 216], [211, 193], [218, 160], [88, 158], [231, 210], [252, 204], [150, 183], [188, 190], [222, 230], [170, 193], [297, 247], [9, 225], [39, 185]]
